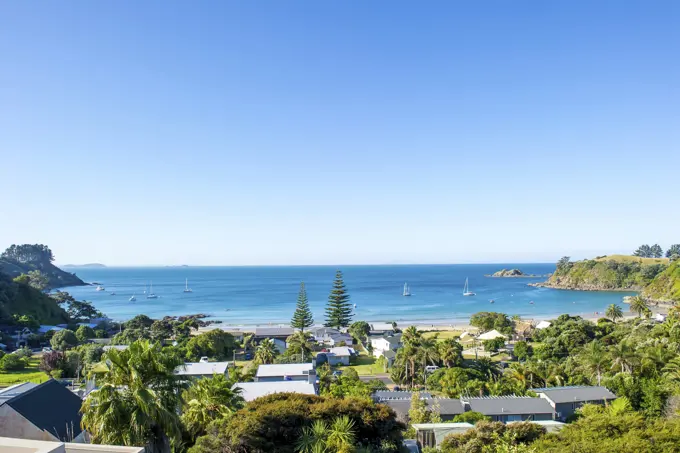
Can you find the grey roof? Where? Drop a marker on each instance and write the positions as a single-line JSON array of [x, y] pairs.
[[320, 332], [274, 331], [576, 394], [447, 406], [393, 340], [284, 369], [8, 393], [510, 405], [341, 351], [51, 407], [381, 395]]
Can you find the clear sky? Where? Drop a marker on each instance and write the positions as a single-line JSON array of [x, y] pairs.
[[334, 132]]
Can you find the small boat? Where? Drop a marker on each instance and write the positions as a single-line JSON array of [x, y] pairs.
[[150, 294], [491, 301], [531, 303], [407, 290], [186, 287], [355, 305], [466, 289], [113, 293], [101, 288], [133, 298]]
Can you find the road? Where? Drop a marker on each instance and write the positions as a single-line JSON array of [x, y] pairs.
[[383, 377]]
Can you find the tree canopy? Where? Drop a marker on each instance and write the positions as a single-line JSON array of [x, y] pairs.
[[339, 308], [302, 318]]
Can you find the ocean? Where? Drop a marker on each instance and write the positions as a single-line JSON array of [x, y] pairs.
[[249, 296]]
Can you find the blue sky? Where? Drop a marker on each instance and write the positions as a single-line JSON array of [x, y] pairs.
[[310, 132]]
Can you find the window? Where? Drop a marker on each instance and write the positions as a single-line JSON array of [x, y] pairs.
[[514, 418]]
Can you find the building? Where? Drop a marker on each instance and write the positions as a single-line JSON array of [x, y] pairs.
[[511, 408], [47, 411], [543, 325], [491, 335], [281, 333], [432, 434], [331, 337], [117, 347], [385, 343], [381, 328], [565, 400], [339, 356], [400, 402], [13, 445], [254, 390], [202, 369], [286, 372]]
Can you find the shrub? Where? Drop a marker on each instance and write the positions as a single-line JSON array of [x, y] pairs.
[[24, 353], [470, 417], [63, 340], [84, 333], [12, 362]]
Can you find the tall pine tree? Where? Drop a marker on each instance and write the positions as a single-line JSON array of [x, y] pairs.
[[302, 318], [339, 309]]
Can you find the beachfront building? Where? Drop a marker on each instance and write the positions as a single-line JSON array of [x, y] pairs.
[[491, 335], [254, 390], [381, 328], [286, 372], [565, 400], [384, 344], [197, 370], [14, 445], [543, 325], [511, 408], [47, 411]]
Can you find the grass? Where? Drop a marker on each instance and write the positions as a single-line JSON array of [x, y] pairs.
[[30, 374], [443, 334], [365, 366], [632, 259]]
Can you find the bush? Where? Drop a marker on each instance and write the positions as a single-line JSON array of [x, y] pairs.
[[470, 417], [24, 353], [494, 345], [84, 333], [12, 362], [51, 361], [63, 340], [489, 320]]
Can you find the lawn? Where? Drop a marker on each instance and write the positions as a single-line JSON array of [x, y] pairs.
[[365, 366], [443, 334], [30, 374]]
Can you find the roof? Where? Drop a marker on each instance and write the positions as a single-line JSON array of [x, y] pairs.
[[576, 393], [447, 406], [441, 430], [382, 326], [51, 407], [202, 368], [422, 426], [253, 390], [543, 325], [492, 334], [381, 395], [320, 332], [45, 329], [9, 444], [341, 351], [284, 369], [509, 405], [393, 340], [274, 331], [117, 347], [8, 393]]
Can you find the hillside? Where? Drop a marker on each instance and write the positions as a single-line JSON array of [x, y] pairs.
[[21, 259], [609, 273], [18, 299], [666, 286]]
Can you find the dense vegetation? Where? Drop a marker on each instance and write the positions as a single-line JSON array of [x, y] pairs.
[[666, 286], [22, 259], [607, 273], [339, 308], [19, 299]]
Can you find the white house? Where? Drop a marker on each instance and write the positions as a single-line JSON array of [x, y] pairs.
[[381, 328], [253, 390], [286, 372], [543, 325], [202, 369], [491, 335], [385, 343]]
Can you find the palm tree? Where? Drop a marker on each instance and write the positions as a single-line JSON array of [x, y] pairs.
[[594, 357], [672, 370], [300, 343], [623, 355], [487, 367], [450, 352], [207, 400], [614, 312], [411, 350], [137, 403], [266, 351], [639, 305], [320, 438]]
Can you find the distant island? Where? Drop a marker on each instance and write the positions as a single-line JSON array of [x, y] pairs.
[[84, 266], [512, 273], [22, 259]]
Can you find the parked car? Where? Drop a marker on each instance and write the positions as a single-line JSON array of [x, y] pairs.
[[46, 349], [431, 368]]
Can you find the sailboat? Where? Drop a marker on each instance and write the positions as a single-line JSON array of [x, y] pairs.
[[133, 298], [100, 288], [151, 295], [186, 287], [466, 289], [407, 290]]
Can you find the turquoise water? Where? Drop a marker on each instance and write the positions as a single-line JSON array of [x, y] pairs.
[[261, 295]]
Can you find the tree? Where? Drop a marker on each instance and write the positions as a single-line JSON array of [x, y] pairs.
[[207, 400], [38, 280], [614, 312], [63, 340], [595, 359], [137, 402], [216, 344], [563, 264], [80, 311], [300, 343], [494, 345], [339, 309], [656, 251], [84, 333], [639, 305], [450, 352], [418, 412], [360, 330], [28, 253], [302, 318], [522, 350], [470, 417], [12, 362], [53, 360], [266, 351], [644, 251], [320, 437], [673, 250]]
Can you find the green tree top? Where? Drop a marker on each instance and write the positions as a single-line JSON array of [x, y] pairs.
[[302, 318], [339, 308]]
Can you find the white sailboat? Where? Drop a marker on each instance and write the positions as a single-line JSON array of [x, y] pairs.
[[133, 298], [466, 289], [151, 295], [186, 287], [100, 288], [407, 290]]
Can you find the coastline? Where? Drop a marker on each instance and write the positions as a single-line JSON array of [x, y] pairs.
[[593, 290]]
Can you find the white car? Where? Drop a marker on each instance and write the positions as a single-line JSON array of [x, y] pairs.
[[431, 368]]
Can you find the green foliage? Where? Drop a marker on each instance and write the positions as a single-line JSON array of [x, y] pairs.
[[12, 362], [339, 308], [63, 340], [84, 333], [522, 350], [494, 345], [360, 330], [80, 311], [489, 436], [274, 424], [563, 265], [300, 344], [604, 274], [666, 285], [644, 251], [20, 299], [614, 312], [207, 400], [302, 318], [266, 352], [470, 417], [491, 320], [23, 259], [215, 344], [673, 250], [640, 306]]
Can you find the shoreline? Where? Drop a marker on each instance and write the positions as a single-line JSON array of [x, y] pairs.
[[590, 290]]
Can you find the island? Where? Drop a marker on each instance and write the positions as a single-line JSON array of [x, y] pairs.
[[84, 266], [27, 259], [512, 273]]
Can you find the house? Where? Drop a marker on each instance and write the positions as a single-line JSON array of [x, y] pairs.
[[511, 408], [253, 390], [543, 325], [381, 328], [14, 445], [47, 411], [286, 372], [45, 329], [565, 400], [202, 369], [432, 434], [339, 356], [491, 335], [332, 337], [281, 333], [400, 402], [385, 343]]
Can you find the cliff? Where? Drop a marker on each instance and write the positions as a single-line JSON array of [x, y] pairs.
[[665, 287]]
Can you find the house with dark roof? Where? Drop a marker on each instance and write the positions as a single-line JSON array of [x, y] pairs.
[[565, 400], [511, 408], [280, 333], [400, 403], [47, 411]]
